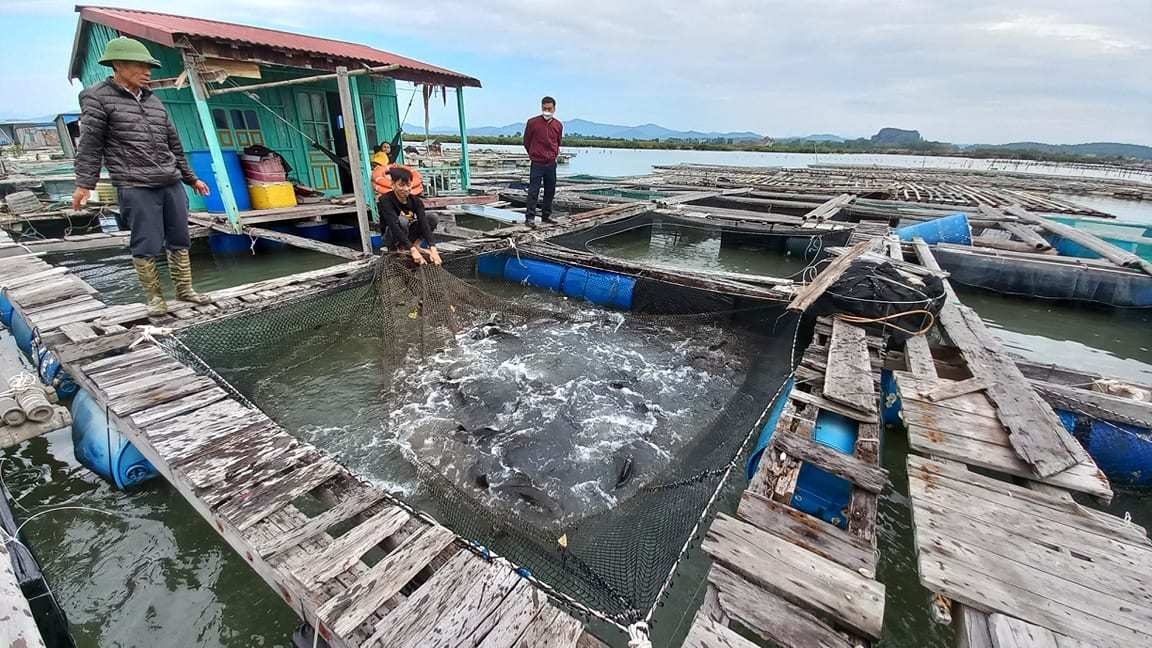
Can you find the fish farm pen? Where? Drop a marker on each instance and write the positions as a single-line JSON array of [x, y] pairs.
[[671, 419]]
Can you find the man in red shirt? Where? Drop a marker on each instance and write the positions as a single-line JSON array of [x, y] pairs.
[[542, 137]]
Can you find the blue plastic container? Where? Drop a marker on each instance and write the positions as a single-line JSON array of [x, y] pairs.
[[769, 428], [22, 333], [377, 241], [1122, 451], [541, 274], [201, 162], [819, 492], [102, 449], [604, 288], [491, 265], [317, 231], [345, 233], [891, 406], [5, 309], [1066, 247], [51, 373], [949, 229], [222, 243]]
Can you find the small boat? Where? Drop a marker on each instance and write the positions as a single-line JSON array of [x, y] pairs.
[[1110, 418]]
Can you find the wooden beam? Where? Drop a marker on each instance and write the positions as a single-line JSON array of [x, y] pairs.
[[807, 295], [352, 116], [309, 79]]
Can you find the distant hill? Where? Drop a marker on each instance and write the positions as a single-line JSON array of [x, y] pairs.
[[596, 129], [896, 137], [816, 137], [1098, 149]]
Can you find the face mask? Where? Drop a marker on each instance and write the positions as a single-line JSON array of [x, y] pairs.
[[547, 115]]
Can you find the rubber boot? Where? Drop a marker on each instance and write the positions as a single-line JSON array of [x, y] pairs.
[[180, 267], [150, 282]]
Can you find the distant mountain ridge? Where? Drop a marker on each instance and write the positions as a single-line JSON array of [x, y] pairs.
[[587, 128], [1101, 149]]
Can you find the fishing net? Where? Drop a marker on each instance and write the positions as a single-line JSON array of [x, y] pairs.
[[580, 442]]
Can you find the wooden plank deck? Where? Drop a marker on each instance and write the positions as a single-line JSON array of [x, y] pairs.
[[1008, 550], [245, 476], [786, 576], [17, 627]]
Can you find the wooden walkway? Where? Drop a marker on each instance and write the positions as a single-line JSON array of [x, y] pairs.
[[789, 577], [250, 480]]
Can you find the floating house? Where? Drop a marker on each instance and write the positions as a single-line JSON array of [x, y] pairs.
[[229, 86], [28, 134]]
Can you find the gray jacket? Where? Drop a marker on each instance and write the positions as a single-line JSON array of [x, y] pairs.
[[136, 140]]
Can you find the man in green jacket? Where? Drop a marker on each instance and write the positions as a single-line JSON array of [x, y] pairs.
[[124, 127]]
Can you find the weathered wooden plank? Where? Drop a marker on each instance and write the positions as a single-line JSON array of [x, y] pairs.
[[797, 574], [202, 423], [143, 354], [971, 628], [244, 457], [160, 394], [863, 475], [258, 503], [178, 407], [807, 295], [17, 625], [476, 603], [706, 633], [78, 332], [808, 532], [503, 628], [771, 617], [171, 375], [20, 280], [1103, 406], [350, 547], [384, 580], [849, 377], [955, 388], [1083, 478], [350, 505], [80, 351], [824, 403], [911, 388], [1034, 429]]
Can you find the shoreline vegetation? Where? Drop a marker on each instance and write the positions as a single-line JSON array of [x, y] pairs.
[[939, 149]]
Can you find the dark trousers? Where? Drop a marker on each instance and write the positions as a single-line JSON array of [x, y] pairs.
[[158, 218], [411, 230], [540, 173]]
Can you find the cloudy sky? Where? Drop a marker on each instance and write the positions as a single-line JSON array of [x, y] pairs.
[[1059, 71]]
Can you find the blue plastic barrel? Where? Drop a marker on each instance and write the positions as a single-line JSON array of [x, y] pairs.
[[819, 492], [345, 233], [891, 405], [51, 373], [5, 309], [769, 428], [222, 243], [604, 288], [953, 228], [22, 333], [491, 265], [317, 231], [201, 162], [102, 449], [377, 241], [541, 274]]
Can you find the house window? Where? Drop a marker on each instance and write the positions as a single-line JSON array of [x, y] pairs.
[[368, 108], [237, 128], [314, 118]]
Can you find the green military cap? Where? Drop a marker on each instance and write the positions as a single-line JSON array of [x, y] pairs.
[[127, 49]]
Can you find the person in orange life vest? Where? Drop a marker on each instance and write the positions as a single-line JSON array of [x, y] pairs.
[[382, 181], [404, 224]]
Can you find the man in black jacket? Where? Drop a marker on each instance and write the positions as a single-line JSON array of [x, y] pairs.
[[125, 127], [404, 224]]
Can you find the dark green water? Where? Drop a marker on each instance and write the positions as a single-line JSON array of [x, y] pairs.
[[154, 574], [114, 276]]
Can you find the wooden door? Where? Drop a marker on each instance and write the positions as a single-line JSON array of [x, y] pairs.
[[314, 121]]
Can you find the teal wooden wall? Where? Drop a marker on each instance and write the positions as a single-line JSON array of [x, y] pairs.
[[277, 135]]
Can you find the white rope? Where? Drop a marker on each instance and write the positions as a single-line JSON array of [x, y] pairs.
[[638, 635], [148, 333]]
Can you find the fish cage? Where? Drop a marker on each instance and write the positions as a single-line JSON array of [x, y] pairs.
[[578, 422]]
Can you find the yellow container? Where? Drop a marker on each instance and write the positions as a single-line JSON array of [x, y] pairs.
[[106, 193], [271, 195]]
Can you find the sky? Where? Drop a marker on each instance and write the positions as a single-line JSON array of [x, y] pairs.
[[1058, 71]]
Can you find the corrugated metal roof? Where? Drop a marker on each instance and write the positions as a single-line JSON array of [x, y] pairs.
[[166, 29]]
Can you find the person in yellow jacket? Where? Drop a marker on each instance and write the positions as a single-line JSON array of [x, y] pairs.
[[382, 155]]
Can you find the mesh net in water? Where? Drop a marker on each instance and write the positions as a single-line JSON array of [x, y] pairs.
[[580, 442]]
